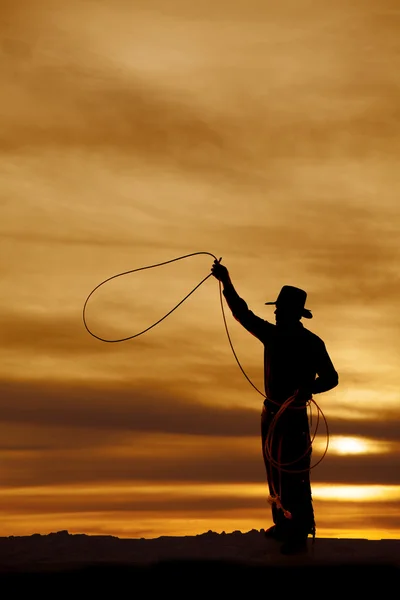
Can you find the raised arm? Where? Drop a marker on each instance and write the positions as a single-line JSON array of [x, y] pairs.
[[237, 305]]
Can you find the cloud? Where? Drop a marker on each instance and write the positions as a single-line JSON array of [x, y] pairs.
[[149, 407], [143, 407], [96, 100], [365, 469], [361, 516], [183, 460], [348, 252], [58, 435]]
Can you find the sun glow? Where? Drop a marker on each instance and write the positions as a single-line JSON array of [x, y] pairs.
[[344, 445], [371, 493]]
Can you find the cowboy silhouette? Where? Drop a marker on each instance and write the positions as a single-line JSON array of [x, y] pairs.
[[296, 366]]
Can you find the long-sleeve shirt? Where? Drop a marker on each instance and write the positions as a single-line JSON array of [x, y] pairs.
[[295, 359]]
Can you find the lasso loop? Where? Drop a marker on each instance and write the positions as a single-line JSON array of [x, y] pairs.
[[131, 337]]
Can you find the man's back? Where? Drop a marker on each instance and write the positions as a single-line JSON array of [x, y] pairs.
[[293, 358]]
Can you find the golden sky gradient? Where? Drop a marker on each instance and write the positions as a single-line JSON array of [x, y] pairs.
[[133, 133]]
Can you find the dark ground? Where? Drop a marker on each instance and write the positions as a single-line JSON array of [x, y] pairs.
[[208, 564]]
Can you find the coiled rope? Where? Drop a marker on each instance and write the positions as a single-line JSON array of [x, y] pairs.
[[282, 407], [288, 404]]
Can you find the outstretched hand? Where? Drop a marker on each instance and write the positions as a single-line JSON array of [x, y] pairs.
[[220, 272]]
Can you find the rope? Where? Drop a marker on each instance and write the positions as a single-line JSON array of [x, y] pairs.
[[131, 337], [275, 499], [287, 404], [275, 496]]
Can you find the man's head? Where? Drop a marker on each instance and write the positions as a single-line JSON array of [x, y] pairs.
[[290, 305]]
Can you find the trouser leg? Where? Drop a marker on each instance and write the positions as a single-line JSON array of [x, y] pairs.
[[296, 494], [272, 473], [290, 447]]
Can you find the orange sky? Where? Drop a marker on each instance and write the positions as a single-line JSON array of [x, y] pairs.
[[136, 132]]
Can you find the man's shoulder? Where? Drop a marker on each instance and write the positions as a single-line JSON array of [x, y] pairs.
[[313, 337]]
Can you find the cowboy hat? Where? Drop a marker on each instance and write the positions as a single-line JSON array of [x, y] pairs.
[[293, 297]]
